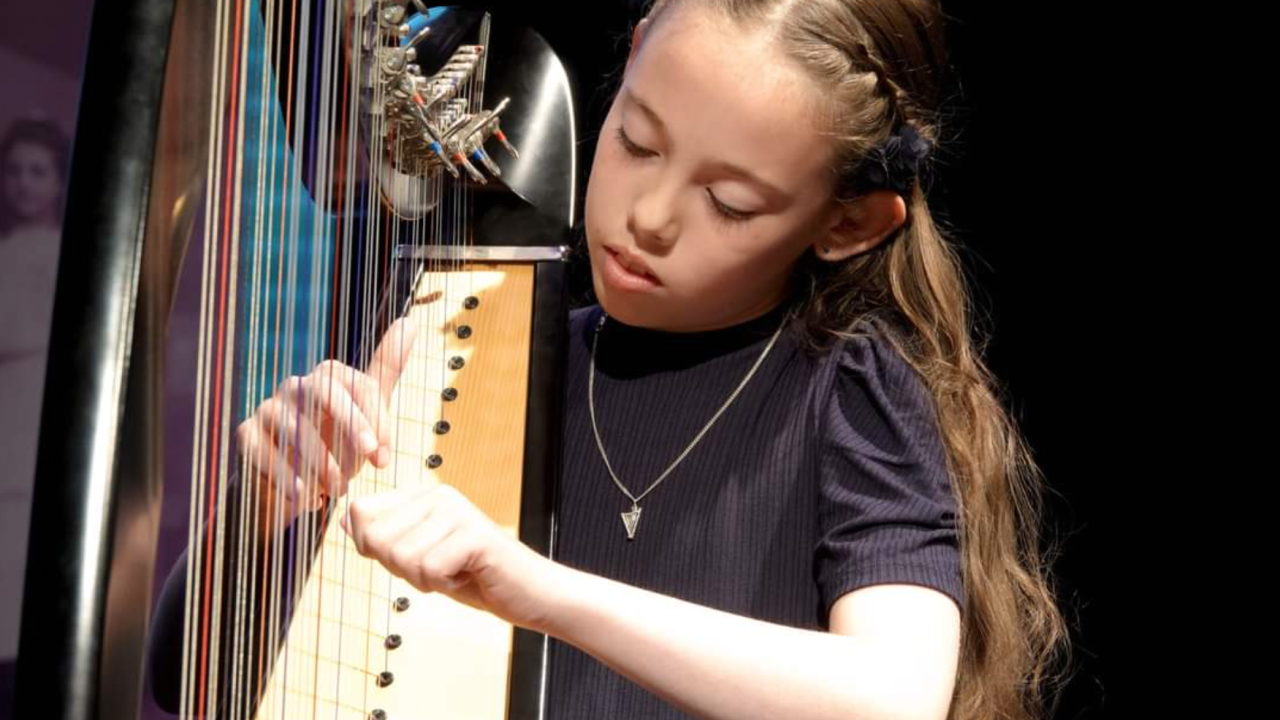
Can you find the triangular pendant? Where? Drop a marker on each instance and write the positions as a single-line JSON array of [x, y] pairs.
[[630, 520]]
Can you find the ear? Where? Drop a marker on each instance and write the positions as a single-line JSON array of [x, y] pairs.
[[637, 35], [858, 226]]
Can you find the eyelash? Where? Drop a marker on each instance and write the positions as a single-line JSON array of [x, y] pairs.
[[723, 212]]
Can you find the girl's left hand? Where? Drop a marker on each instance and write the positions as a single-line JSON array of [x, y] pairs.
[[438, 541]]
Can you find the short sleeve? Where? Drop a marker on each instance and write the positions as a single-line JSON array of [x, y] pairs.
[[886, 509]]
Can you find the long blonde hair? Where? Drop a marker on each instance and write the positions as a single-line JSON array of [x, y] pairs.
[[881, 63]]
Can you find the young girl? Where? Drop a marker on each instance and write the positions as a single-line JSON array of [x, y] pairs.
[[789, 489]]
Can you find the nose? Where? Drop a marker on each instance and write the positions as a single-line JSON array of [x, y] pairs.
[[653, 220]]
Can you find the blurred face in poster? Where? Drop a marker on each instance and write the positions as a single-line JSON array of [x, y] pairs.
[[32, 184]]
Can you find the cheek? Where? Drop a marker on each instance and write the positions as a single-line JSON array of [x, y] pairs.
[[604, 207], [738, 259]]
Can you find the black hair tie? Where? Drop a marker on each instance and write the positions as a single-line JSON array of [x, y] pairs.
[[894, 164]]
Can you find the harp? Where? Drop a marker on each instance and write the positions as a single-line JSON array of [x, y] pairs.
[[341, 163]]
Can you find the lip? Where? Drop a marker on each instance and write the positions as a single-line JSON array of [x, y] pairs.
[[631, 263], [628, 272]]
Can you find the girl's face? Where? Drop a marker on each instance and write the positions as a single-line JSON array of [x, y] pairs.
[[32, 183], [710, 178]]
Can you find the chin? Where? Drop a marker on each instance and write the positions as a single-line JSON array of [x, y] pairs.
[[623, 309]]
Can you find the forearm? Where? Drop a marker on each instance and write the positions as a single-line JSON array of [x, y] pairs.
[[714, 664]]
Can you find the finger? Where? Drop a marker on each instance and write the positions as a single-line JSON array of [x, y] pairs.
[[381, 536], [296, 437], [310, 497], [329, 387], [354, 397], [262, 460], [392, 354], [327, 395], [286, 494], [369, 399], [364, 512]]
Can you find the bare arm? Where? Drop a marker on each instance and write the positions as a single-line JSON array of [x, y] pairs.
[[892, 652]]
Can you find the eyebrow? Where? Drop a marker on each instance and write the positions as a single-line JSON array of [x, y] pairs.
[[775, 195]]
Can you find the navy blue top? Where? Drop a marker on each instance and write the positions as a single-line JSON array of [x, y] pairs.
[[826, 474]]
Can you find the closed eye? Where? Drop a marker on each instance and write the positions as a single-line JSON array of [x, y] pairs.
[[723, 212], [632, 148], [727, 213]]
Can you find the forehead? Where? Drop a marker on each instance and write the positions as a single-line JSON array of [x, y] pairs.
[[726, 94]]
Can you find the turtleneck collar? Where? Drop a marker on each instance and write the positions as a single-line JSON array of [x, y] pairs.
[[628, 349]]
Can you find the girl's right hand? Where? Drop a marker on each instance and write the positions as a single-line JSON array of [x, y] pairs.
[[316, 431]]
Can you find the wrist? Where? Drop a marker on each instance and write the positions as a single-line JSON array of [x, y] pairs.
[[566, 592]]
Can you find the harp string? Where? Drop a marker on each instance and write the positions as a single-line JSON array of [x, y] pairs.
[[200, 428], [256, 381], [348, 138], [245, 606], [280, 52], [207, 687], [317, 126], [321, 183], [265, 174], [225, 527], [296, 666]]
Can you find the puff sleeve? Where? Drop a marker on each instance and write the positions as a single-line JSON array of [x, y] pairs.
[[886, 509]]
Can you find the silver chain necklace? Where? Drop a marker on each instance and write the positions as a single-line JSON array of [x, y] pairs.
[[631, 519]]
